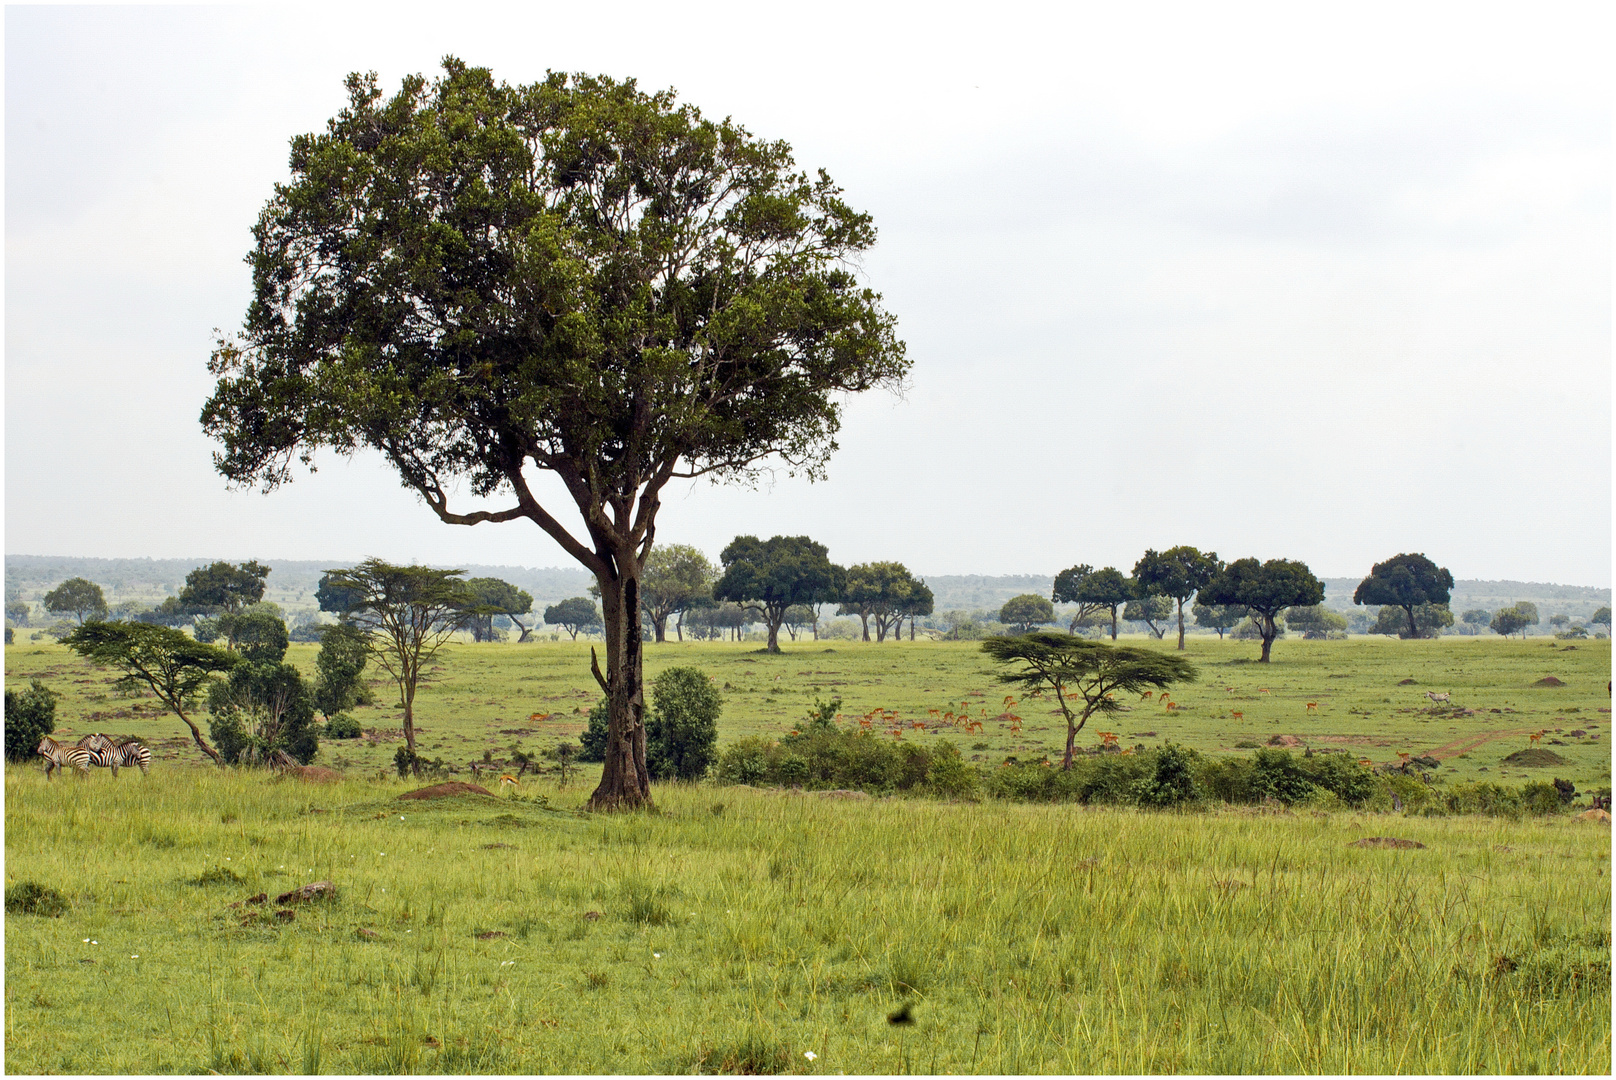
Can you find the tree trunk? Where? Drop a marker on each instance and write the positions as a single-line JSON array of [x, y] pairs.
[[911, 628], [865, 619], [409, 715], [679, 627], [774, 634], [625, 783], [1071, 744], [1113, 622], [1266, 628], [1413, 627], [1180, 625], [196, 734], [660, 625]]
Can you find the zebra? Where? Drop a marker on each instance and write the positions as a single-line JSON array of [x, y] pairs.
[[1439, 698], [104, 753], [58, 757]]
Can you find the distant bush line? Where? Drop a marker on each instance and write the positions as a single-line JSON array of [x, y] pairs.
[[1167, 776]]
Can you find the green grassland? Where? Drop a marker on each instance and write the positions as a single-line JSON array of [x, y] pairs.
[[482, 696], [743, 930]]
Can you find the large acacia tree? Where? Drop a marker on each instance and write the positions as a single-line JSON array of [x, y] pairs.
[[1407, 582], [768, 576], [481, 280], [1175, 573], [1264, 589]]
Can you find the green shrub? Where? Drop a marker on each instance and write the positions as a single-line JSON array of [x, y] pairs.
[[1483, 797], [949, 774], [681, 733], [1276, 774], [30, 716], [593, 739], [1541, 797], [338, 685], [1340, 774], [745, 761], [343, 726], [28, 898], [1172, 779]]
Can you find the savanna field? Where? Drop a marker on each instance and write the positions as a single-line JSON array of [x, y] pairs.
[[776, 930]]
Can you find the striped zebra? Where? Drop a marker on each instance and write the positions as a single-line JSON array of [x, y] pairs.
[[106, 754], [58, 757]]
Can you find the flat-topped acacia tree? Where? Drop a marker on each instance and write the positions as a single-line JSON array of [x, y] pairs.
[[480, 280]]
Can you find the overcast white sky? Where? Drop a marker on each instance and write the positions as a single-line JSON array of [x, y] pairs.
[[1323, 282]]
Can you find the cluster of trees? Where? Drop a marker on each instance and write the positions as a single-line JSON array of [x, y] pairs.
[[1163, 582]]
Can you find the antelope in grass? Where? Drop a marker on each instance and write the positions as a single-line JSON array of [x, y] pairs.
[[1108, 738], [1312, 706], [1536, 737], [1238, 715], [1147, 695]]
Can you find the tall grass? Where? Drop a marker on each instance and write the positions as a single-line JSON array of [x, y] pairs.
[[1025, 938]]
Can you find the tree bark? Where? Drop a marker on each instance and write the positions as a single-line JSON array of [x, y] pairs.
[[660, 625], [625, 782], [1267, 631], [1113, 622], [1413, 627], [196, 733], [1180, 624]]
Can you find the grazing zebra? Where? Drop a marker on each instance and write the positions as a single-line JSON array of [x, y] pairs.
[[1439, 697], [59, 757], [104, 753]]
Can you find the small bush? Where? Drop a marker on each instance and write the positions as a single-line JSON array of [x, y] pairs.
[[1541, 797], [30, 716], [343, 726], [1172, 782], [1276, 774], [593, 738], [1483, 797], [28, 898], [681, 734]]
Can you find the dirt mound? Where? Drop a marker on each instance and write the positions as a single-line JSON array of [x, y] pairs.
[[444, 791], [1549, 680], [1594, 815], [1284, 740], [1534, 758], [1407, 682], [1385, 841]]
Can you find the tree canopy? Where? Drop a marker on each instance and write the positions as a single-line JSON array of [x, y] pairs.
[[407, 613], [1406, 581], [494, 596], [1097, 590], [1264, 590], [1515, 618], [1315, 621], [883, 591], [1601, 615], [769, 576], [173, 665], [573, 615], [1175, 573], [1088, 671], [78, 597], [577, 276], [1219, 617], [675, 577], [1154, 611], [1026, 611], [221, 586]]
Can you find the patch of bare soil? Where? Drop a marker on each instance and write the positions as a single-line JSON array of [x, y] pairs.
[[1594, 815], [1549, 680], [1385, 842], [445, 790], [1284, 740]]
